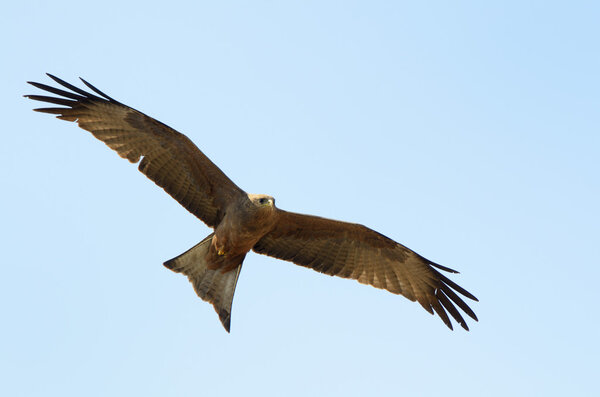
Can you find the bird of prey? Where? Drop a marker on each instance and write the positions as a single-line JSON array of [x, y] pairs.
[[244, 222]]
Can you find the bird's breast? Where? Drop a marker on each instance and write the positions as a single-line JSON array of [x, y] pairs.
[[238, 234]]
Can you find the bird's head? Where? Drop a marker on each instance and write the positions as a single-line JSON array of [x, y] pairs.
[[262, 200]]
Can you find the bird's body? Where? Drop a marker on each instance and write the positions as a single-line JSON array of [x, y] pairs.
[[245, 222]]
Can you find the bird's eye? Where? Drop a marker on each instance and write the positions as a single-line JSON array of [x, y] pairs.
[[262, 201]]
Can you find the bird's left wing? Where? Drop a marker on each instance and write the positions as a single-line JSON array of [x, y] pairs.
[[354, 251], [169, 158]]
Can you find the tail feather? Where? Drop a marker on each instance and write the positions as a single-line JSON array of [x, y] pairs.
[[212, 285]]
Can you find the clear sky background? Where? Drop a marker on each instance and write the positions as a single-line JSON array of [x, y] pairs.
[[468, 131]]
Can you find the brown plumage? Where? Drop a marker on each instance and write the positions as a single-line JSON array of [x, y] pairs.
[[244, 222]]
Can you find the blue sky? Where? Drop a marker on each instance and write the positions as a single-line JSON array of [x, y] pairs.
[[468, 131]]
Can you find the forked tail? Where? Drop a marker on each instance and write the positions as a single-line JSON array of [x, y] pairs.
[[211, 285]]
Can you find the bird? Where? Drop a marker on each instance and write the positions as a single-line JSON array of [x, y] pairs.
[[244, 222]]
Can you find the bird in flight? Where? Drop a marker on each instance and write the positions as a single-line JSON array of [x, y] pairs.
[[245, 222]]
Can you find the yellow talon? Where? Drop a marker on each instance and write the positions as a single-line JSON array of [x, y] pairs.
[[220, 252]]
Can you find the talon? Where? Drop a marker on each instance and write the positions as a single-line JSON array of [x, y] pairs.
[[220, 252]]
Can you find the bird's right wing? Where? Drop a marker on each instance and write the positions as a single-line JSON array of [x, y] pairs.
[[168, 158], [354, 251]]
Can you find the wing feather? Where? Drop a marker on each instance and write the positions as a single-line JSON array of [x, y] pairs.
[[168, 158], [354, 251]]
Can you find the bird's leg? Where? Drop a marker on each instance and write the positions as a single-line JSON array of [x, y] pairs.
[[218, 245]]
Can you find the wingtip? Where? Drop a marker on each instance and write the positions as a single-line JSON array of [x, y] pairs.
[[444, 268], [97, 91], [53, 77]]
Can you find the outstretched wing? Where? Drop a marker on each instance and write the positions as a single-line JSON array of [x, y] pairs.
[[169, 158], [354, 251]]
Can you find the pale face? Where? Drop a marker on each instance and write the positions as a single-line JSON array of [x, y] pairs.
[[262, 200]]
